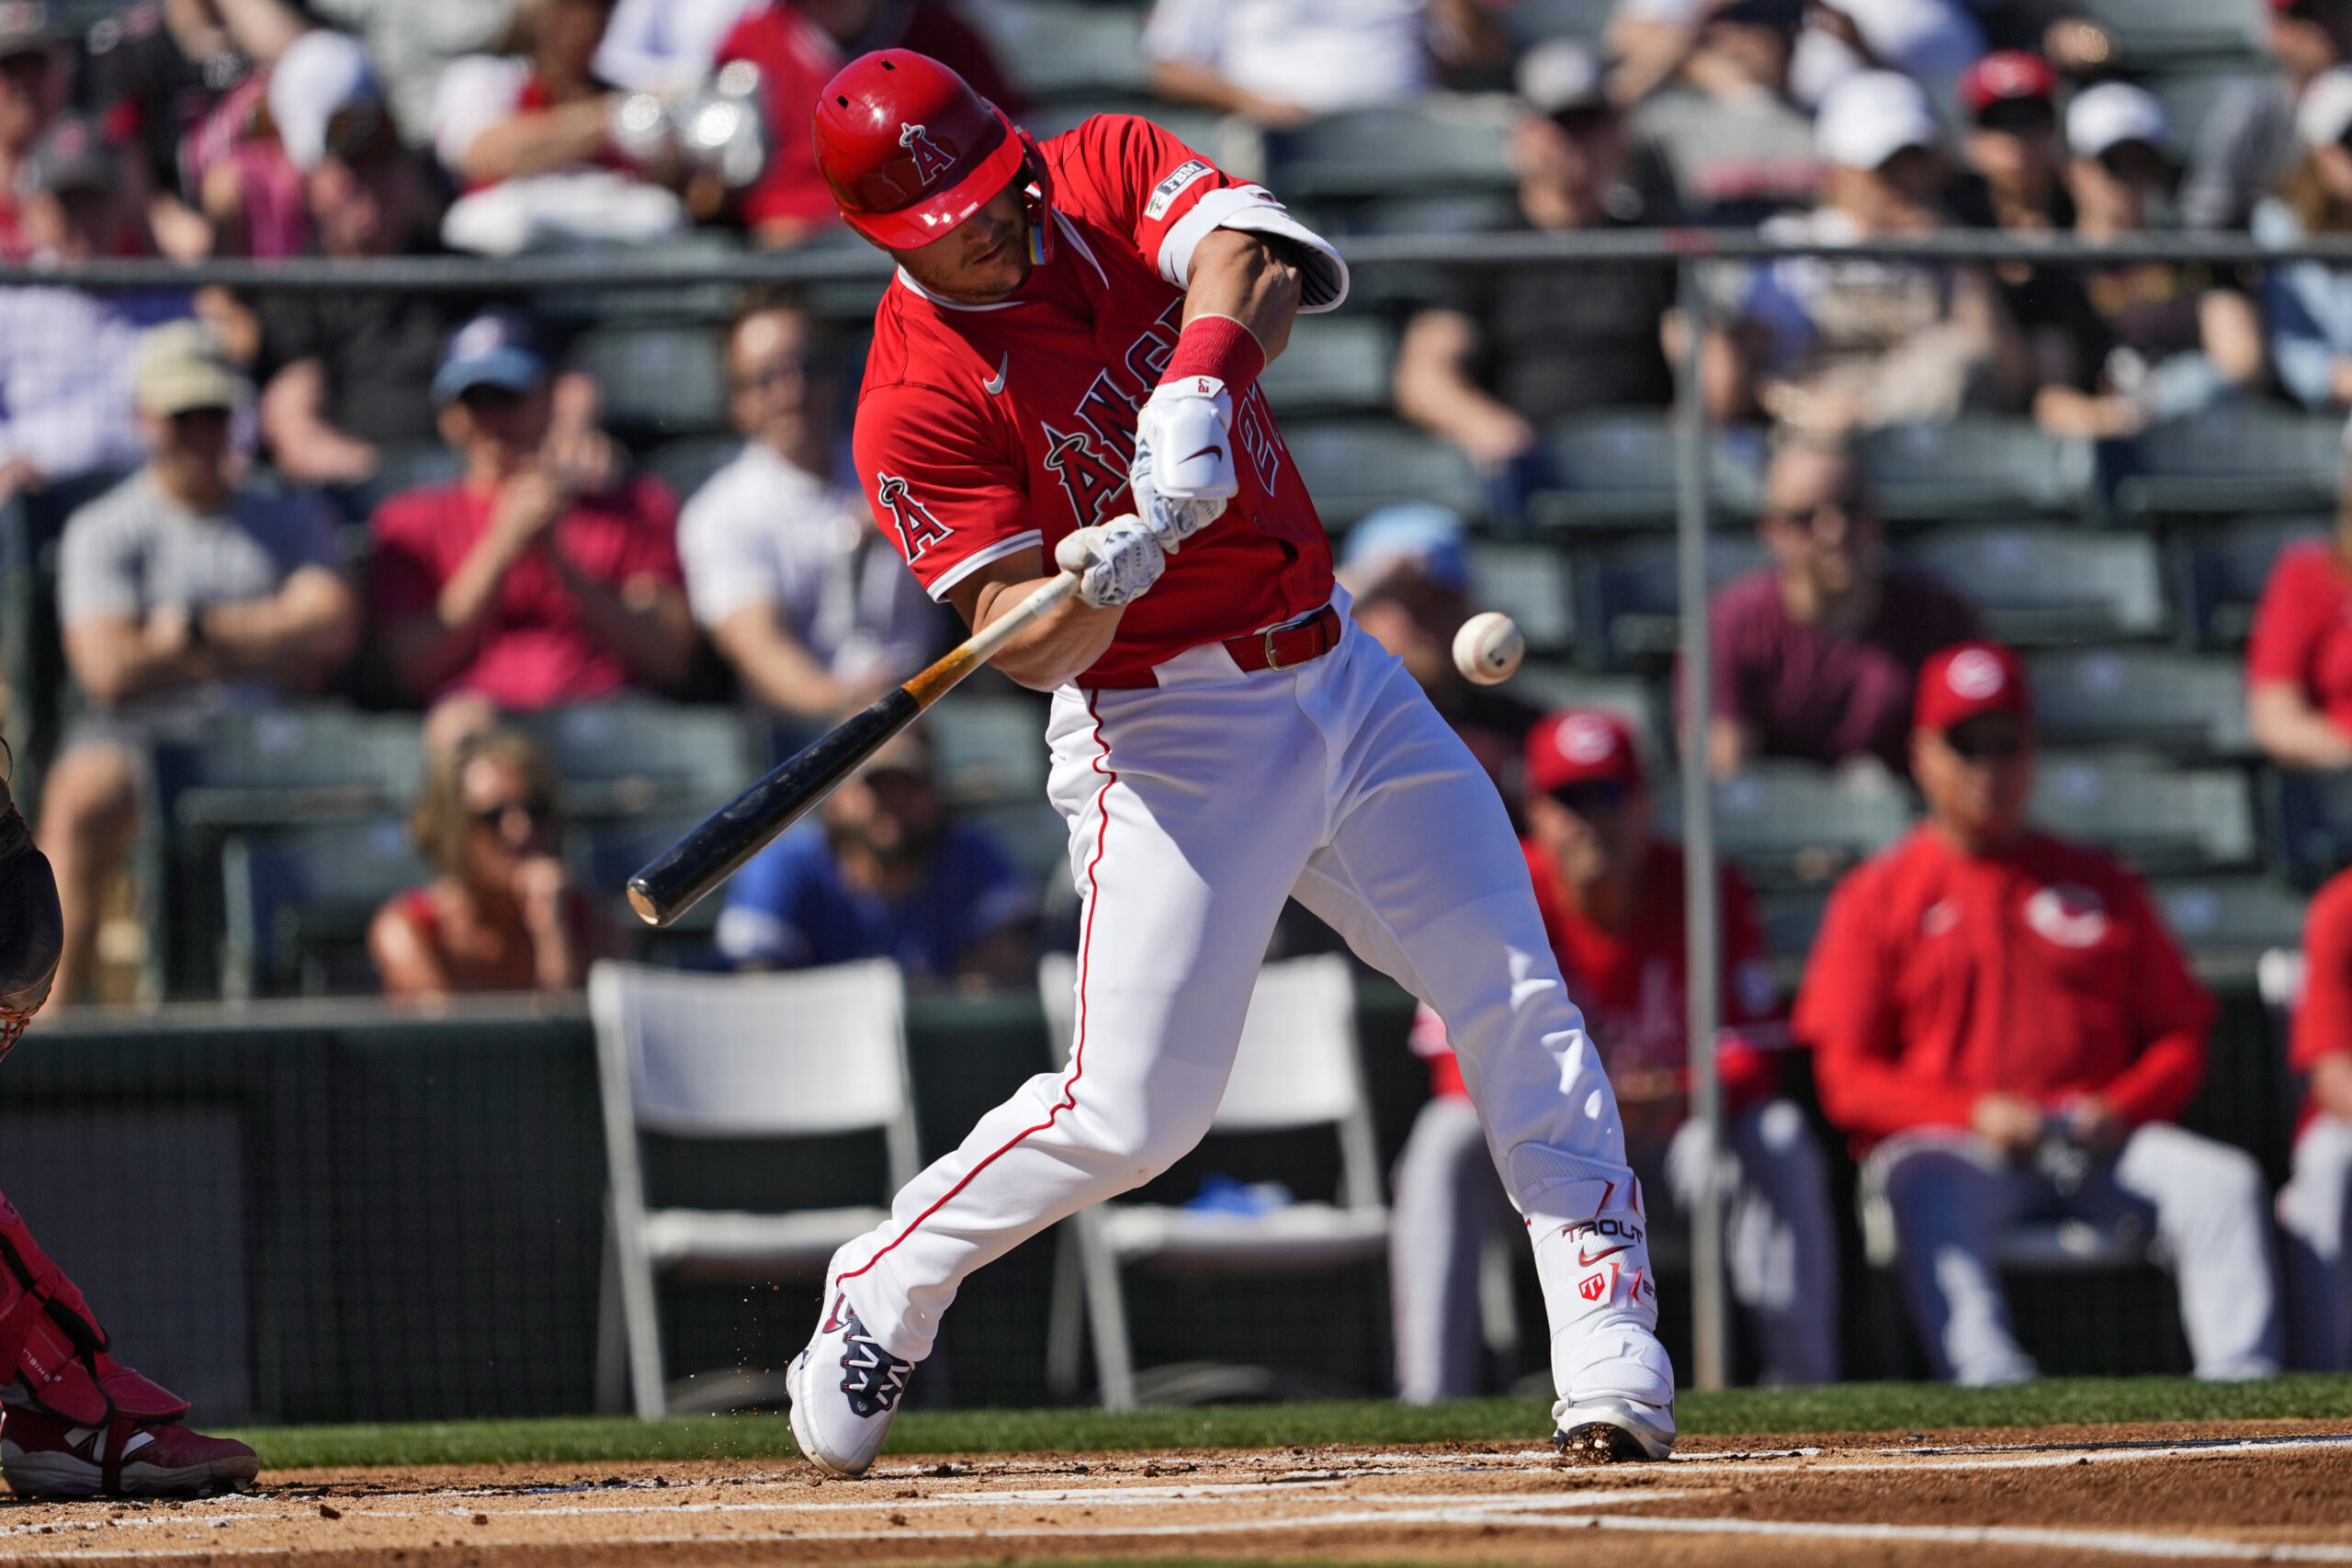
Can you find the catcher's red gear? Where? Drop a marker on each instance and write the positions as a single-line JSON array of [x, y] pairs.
[[32, 931], [53, 1352], [43, 1456], [911, 150]]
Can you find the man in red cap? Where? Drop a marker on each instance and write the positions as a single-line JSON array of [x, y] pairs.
[[1611, 898], [2005, 1028], [1064, 376]]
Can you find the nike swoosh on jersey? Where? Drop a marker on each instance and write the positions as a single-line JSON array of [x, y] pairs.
[[996, 386], [1584, 1262]]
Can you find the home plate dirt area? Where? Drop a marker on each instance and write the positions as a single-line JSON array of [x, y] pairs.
[[2241, 1491]]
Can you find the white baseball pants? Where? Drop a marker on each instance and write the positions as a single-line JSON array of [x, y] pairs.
[[1195, 809], [1781, 1244], [2315, 1222], [1953, 1195]]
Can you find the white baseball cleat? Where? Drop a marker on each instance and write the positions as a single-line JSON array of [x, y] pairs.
[[840, 1423], [1608, 1429]]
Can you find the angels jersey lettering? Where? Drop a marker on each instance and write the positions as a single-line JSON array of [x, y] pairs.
[[985, 429]]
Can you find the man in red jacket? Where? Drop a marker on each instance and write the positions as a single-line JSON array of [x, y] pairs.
[[2000, 1021]]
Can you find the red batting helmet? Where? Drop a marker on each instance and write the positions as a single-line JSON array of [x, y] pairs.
[[911, 150]]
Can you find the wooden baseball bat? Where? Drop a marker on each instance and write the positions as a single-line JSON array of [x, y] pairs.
[[677, 879]]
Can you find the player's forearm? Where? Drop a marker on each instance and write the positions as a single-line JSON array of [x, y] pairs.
[[1248, 278], [1062, 644]]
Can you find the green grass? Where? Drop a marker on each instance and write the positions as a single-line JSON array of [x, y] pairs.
[[1845, 1408]]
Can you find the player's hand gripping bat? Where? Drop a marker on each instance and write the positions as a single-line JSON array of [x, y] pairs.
[[677, 880]]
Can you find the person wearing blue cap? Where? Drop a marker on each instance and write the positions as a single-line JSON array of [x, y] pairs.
[[517, 587]]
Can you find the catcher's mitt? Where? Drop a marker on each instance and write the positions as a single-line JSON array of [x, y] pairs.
[[32, 930]]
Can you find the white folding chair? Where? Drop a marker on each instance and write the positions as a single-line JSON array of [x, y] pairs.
[[820, 1051], [1296, 1069]]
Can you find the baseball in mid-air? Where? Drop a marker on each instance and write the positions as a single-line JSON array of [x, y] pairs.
[[1488, 648]]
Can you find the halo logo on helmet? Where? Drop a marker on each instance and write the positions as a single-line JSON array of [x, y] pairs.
[[911, 151], [930, 162]]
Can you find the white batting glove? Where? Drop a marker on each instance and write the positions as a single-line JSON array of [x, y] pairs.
[[1183, 474], [1115, 561]]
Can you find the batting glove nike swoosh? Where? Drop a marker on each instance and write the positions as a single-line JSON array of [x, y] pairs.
[[1183, 474], [1115, 562]]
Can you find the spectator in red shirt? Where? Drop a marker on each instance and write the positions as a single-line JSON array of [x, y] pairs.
[[1612, 900], [1815, 655], [2299, 658], [799, 47], [33, 73], [2005, 1028], [2315, 1206], [508, 587]]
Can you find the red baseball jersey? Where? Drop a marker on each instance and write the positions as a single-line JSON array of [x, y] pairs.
[[983, 430], [2042, 971], [2302, 629]]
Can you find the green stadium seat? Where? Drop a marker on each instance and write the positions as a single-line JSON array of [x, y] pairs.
[[1619, 469], [2187, 703], [658, 378], [1333, 364], [1353, 467], [618, 759], [1530, 583], [2162, 817], [2239, 916], [1789, 823], [1442, 144], [1224, 140], [298, 902], [1555, 686], [2048, 584], [1977, 469], [988, 749], [686, 464], [2225, 569], [2151, 32], [269, 767], [2231, 460], [1629, 595], [1531, 21], [1056, 50]]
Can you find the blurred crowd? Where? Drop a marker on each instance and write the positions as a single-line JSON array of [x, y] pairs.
[[415, 502]]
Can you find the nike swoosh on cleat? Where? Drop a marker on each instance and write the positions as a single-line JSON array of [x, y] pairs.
[[1586, 1262], [993, 388]]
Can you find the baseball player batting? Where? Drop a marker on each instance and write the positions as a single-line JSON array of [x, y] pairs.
[[1076, 332], [77, 1422]]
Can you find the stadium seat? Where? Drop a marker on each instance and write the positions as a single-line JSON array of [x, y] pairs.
[[1629, 599], [819, 1051], [1531, 21], [1554, 686], [1976, 469], [1297, 1069], [2047, 584], [2312, 813], [603, 856], [1333, 364], [2161, 817], [2237, 915], [1791, 823], [2225, 569], [298, 901], [267, 768], [1230, 143], [2151, 32], [1437, 145], [686, 464], [2233, 459], [630, 755], [1528, 583], [988, 749], [658, 378], [2187, 703], [1353, 467], [1056, 50], [1619, 470]]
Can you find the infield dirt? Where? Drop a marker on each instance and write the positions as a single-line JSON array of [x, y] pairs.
[[2275, 1491]]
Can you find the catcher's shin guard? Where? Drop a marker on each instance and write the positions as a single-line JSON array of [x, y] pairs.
[[53, 1352], [32, 929]]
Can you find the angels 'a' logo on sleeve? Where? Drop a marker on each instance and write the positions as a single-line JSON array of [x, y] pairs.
[[930, 162], [918, 529]]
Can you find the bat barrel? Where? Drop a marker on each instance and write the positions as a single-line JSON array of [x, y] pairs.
[[679, 878]]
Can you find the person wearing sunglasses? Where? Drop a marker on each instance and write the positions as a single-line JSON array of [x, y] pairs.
[[2165, 340], [503, 914], [1610, 895], [2006, 1028]]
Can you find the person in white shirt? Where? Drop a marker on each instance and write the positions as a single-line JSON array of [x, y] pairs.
[[1281, 62], [784, 567]]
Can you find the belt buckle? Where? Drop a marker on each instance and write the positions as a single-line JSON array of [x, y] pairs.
[[1274, 659]]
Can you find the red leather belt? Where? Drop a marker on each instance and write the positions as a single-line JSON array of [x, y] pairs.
[[1284, 647]]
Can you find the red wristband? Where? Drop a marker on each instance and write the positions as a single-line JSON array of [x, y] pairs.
[[1219, 347]]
